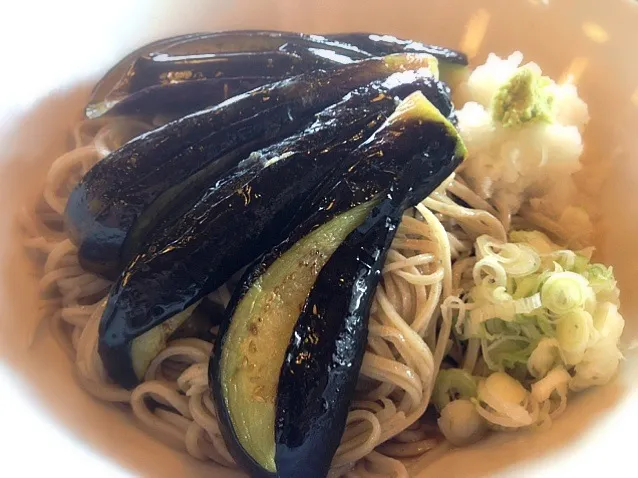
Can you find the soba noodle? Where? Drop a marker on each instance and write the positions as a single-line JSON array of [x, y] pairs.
[[409, 331]]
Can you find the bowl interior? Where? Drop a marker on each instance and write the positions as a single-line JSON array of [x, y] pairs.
[[589, 40]]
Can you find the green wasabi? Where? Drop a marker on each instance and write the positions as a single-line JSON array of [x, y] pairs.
[[524, 98]]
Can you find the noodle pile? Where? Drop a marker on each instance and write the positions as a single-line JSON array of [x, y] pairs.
[[408, 335]]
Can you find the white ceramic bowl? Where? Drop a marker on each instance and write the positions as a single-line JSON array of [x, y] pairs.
[[54, 51]]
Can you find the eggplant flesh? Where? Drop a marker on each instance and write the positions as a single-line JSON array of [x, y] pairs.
[[124, 196], [146, 347], [252, 341], [236, 221], [251, 369]]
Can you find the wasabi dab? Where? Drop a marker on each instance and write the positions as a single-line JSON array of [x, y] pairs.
[[524, 98]]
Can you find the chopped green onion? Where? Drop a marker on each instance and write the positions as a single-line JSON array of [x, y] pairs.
[[492, 270], [540, 312], [506, 309], [603, 282], [516, 259], [600, 277], [556, 379], [505, 387], [527, 286], [580, 264], [452, 384], [460, 423], [545, 324], [573, 332], [544, 357], [506, 399], [527, 305], [608, 322], [564, 257], [507, 352], [564, 292], [527, 262]]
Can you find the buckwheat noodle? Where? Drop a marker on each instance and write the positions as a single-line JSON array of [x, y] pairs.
[[408, 338]]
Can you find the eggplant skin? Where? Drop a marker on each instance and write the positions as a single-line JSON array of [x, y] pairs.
[[236, 221], [452, 63], [177, 75], [107, 96], [178, 85], [122, 197], [323, 360], [322, 363], [372, 170], [380, 45]]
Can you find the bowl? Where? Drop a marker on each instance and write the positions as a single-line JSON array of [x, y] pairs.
[[49, 423]]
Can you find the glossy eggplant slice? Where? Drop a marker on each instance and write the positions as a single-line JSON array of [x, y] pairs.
[[322, 362], [119, 92], [125, 195], [177, 85], [452, 63], [252, 342], [246, 376], [117, 71], [147, 82], [381, 45], [234, 41], [238, 219]]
